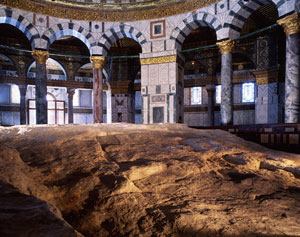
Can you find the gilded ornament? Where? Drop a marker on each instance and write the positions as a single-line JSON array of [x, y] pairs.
[[290, 24], [226, 46], [159, 60], [108, 12], [98, 61], [40, 56], [262, 81]]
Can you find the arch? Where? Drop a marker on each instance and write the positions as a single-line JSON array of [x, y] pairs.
[[242, 10], [12, 62], [50, 60], [297, 6], [50, 95], [8, 58], [117, 33], [201, 19], [22, 24], [69, 29], [89, 79], [106, 77]]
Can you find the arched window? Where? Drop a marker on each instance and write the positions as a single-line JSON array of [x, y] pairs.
[[55, 111]]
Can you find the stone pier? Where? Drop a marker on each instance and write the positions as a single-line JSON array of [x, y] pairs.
[[162, 87]]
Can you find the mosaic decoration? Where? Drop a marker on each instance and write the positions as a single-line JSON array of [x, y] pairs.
[[159, 60], [158, 29], [108, 12]]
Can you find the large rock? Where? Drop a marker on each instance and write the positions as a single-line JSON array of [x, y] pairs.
[[137, 180]]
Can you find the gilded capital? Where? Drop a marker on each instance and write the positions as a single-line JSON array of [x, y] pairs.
[[226, 46], [40, 56], [97, 61], [158, 60], [290, 24]]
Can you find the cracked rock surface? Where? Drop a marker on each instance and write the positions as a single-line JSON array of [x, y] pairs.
[[144, 180]]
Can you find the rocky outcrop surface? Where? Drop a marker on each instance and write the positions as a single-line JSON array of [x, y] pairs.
[[137, 180]]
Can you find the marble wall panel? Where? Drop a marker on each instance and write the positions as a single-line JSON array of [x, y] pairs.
[[145, 75], [163, 71], [158, 46], [9, 118], [153, 74], [173, 68]]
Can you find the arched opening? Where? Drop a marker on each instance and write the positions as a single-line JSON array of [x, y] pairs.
[[12, 36], [199, 71], [56, 95], [13, 65], [83, 97], [55, 70], [258, 69], [123, 70], [55, 105]]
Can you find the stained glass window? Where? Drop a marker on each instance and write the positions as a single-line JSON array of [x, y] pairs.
[[218, 94], [248, 92], [196, 95]]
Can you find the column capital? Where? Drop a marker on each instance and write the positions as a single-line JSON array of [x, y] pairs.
[[70, 92], [226, 46], [22, 89], [210, 89], [97, 61], [290, 24], [40, 56]]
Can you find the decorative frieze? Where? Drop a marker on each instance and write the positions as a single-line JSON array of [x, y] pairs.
[[108, 12], [264, 77], [158, 60]]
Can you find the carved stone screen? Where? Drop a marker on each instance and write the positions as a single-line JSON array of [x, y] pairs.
[[158, 114]]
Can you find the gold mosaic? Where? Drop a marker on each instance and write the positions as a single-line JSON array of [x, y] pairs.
[[108, 12]]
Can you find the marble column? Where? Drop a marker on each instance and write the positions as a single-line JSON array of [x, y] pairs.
[[226, 82], [23, 90], [71, 92], [109, 103], [211, 95], [98, 62], [291, 25], [41, 85]]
